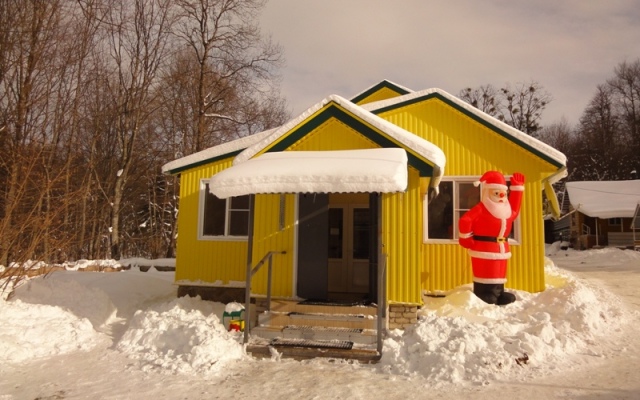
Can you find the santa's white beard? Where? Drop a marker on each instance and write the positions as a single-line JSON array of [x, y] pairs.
[[498, 210]]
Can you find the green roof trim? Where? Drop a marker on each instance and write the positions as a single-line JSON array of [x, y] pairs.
[[333, 111], [203, 162], [379, 86], [471, 115]]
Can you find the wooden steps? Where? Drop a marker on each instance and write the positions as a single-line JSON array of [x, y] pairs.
[[302, 331]]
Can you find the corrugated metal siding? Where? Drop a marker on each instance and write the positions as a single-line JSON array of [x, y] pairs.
[[402, 230], [268, 237], [382, 94], [520, 275], [333, 135], [471, 149], [204, 260]]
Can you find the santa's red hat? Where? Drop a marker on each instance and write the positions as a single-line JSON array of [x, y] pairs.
[[492, 180]]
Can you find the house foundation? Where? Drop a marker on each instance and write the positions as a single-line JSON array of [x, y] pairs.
[[402, 315], [213, 293]]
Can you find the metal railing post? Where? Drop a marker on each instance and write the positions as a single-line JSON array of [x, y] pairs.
[[247, 288], [250, 273], [269, 282], [382, 300]]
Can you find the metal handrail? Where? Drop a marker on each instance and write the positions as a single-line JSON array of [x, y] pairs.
[[247, 298]]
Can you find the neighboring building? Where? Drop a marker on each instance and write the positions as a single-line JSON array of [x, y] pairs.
[[351, 189], [603, 213]]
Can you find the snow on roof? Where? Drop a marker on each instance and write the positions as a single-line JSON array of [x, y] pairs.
[[605, 199], [342, 171], [417, 144], [213, 152], [530, 141]]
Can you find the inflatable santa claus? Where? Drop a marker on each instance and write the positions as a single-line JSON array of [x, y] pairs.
[[484, 231]]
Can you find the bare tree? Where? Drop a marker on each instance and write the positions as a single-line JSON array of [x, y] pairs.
[[138, 38], [233, 67], [625, 86], [25, 93], [95, 96], [523, 106], [520, 106], [485, 98], [559, 135], [599, 151]]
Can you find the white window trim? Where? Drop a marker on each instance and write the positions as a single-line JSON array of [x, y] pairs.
[[516, 228], [219, 238]]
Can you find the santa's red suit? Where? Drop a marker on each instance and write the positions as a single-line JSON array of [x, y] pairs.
[[484, 231]]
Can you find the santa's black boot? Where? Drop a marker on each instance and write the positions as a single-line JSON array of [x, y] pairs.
[[505, 297], [487, 292]]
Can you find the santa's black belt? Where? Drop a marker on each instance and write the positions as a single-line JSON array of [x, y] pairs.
[[490, 239]]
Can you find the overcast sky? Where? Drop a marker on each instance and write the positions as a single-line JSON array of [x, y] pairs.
[[345, 46]]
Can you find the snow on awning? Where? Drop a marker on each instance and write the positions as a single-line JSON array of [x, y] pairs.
[[345, 171], [605, 199]]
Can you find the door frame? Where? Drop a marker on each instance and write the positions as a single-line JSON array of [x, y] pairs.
[[375, 248]]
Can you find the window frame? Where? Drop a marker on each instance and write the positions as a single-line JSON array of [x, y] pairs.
[[227, 213], [516, 229]]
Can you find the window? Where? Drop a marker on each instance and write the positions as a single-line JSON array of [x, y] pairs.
[[443, 213], [615, 221], [220, 218]]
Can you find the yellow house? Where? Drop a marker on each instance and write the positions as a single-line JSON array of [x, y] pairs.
[[351, 200]]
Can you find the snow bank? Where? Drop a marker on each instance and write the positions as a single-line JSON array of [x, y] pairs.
[[80, 300], [460, 339], [182, 336], [32, 331]]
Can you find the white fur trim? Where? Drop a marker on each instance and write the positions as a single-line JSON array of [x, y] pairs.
[[489, 280], [465, 235], [489, 256], [494, 186], [519, 188]]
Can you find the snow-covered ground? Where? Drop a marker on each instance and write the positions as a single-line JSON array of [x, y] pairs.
[[118, 335]]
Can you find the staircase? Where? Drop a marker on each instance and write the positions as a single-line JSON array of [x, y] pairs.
[[303, 330]]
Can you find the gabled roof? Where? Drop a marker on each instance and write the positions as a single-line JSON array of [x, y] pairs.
[[528, 142], [225, 150], [423, 155], [385, 84], [605, 199]]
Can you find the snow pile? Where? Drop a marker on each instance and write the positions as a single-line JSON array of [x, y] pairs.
[[182, 336], [460, 339], [32, 331], [94, 305]]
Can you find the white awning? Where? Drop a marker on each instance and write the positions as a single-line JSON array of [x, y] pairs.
[[343, 171]]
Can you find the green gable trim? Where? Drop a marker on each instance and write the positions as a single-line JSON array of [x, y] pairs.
[[381, 85], [332, 111], [204, 162], [469, 114]]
